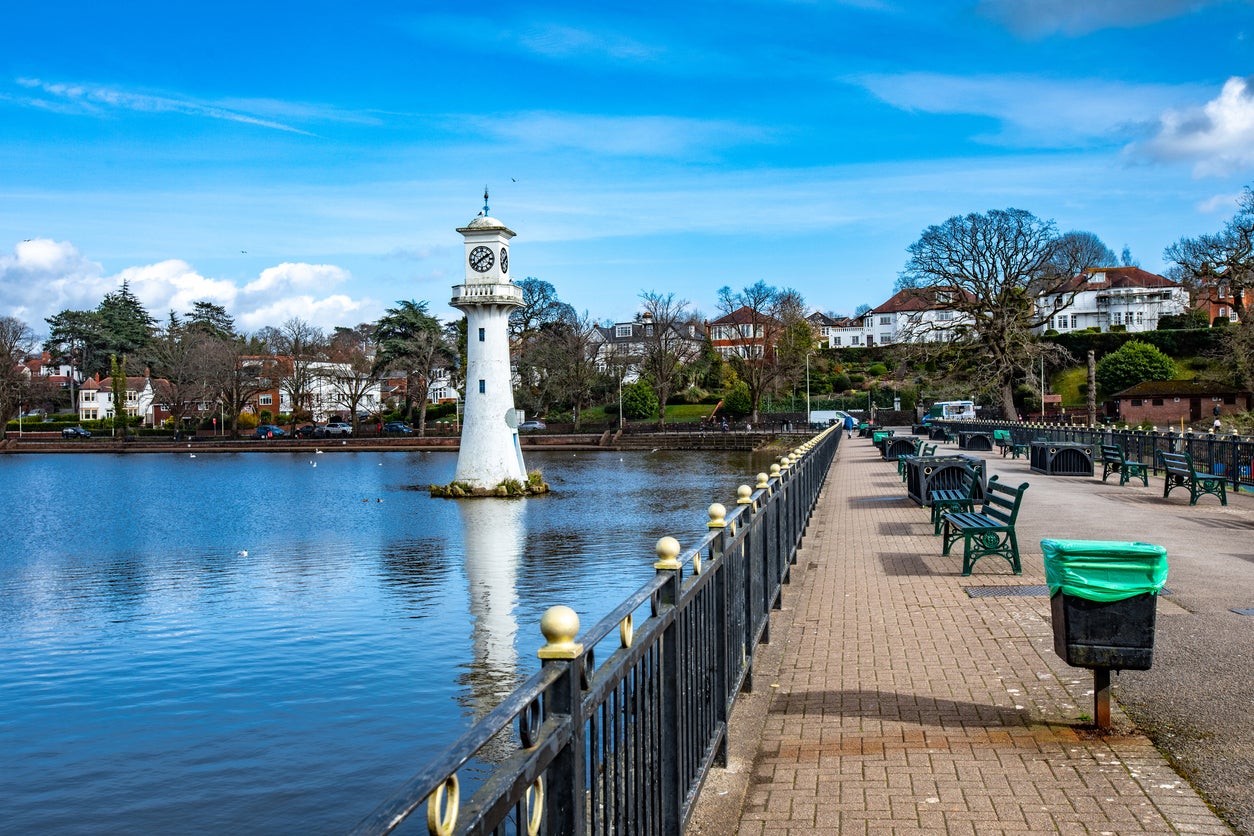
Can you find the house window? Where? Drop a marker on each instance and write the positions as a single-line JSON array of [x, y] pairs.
[[1135, 402], [1223, 311], [886, 338], [855, 340], [625, 330], [483, 387], [944, 316], [89, 396], [886, 320], [1140, 317], [648, 330], [265, 400], [1156, 402], [1075, 320], [835, 340], [482, 334], [1116, 318]]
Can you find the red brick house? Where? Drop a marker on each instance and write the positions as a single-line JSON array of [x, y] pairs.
[[1165, 403]]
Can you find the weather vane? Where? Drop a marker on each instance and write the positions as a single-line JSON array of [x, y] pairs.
[[485, 201]]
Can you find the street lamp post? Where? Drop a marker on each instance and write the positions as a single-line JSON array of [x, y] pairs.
[[620, 399], [809, 417]]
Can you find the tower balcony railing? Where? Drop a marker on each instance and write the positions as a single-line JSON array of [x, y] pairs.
[[501, 293], [623, 745]]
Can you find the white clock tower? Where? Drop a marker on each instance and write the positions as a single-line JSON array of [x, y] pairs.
[[490, 453]]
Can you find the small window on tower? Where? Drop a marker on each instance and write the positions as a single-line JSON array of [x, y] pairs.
[[481, 335], [483, 387]]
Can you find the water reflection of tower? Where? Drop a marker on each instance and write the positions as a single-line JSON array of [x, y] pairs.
[[493, 532]]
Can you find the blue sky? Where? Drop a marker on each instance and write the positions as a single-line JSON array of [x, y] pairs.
[[313, 159]]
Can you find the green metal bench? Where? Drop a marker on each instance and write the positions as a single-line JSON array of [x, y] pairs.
[[991, 531], [1182, 473], [1114, 460], [924, 450], [962, 498]]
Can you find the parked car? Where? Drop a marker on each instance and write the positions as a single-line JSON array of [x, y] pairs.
[[397, 427], [533, 424], [269, 431], [305, 431], [333, 428], [75, 432]]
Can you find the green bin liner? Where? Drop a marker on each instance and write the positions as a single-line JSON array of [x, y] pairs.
[[1103, 570]]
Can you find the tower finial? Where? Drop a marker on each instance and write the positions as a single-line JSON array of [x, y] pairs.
[[485, 201]]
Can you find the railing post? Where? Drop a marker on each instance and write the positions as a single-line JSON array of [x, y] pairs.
[[670, 790], [565, 799], [722, 653]]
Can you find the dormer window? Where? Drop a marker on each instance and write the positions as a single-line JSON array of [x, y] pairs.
[[1097, 278], [622, 330]]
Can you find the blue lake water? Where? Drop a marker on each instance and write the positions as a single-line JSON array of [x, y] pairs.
[[274, 642]]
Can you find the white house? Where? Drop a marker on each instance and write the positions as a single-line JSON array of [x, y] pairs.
[[95, 400], [922, 314], [1102, 297]]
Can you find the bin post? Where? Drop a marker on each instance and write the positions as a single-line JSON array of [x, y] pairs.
[[1101, 698]]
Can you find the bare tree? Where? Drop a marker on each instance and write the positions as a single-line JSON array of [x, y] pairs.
[[763, 314], [236, 376], [1212, 264], [16, 342], [667, 348], [566, 351], [180, 355], [301, 345], [993, 268], [351, 381]]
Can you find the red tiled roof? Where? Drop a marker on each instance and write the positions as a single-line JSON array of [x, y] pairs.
[[1117, 277], [916, 299]]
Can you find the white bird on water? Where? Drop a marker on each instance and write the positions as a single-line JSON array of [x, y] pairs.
[[191, 455], [242, 552]]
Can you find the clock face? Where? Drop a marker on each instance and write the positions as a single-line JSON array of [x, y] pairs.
[[481, 259], [504, 261]]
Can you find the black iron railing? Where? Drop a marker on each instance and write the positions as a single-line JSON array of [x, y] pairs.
[[1228, 455], [624, 746]]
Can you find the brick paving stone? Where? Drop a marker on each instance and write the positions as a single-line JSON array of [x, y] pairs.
[[903, 706]]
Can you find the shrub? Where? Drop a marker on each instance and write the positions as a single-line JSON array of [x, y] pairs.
[[1134, 362], [247, 421], [639, 400], [841, 382], [877, 370], [737, 400]]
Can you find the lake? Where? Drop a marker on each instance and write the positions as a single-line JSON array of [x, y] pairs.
[[274, 642]]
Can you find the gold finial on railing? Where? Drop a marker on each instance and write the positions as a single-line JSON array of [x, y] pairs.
[[667, 553], [560, 625], [442, 824], [744, 493], [775, 469], [764, 482], [718, 515]]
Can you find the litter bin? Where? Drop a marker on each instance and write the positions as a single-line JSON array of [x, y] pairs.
[[1103, 598]]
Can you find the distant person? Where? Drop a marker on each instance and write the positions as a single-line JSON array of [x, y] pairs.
[[849, 424]]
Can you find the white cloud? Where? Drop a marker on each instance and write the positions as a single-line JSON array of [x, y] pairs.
[[326, 313], [1041, 18], [95, 99], [43, 277], [174, 285], [289, 276], [1034, 112], [1218, 137]]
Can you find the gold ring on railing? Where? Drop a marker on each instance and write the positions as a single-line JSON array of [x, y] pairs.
[[626, 630], [696, 563], [437, 825], [534, 799]]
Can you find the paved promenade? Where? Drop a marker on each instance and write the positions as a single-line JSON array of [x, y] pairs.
[[891, 702]]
